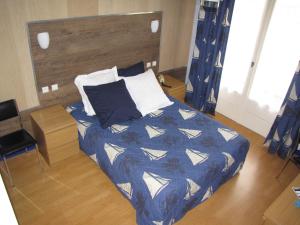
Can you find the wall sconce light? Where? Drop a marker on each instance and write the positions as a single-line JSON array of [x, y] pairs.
[[43, 40], [154, 26]]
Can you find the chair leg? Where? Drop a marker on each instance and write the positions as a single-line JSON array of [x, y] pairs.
[[283, 167], [8, 172], [38, 156]]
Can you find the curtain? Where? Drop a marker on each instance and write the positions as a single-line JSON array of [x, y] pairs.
[[283, 136], [208, 56]]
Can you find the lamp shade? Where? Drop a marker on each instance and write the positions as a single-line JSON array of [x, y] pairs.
[[43, 40], [154, 26]]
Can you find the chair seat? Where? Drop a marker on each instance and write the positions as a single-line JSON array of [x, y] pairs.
[[15, 141]]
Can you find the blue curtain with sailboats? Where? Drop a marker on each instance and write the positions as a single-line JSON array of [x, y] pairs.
[[208, 56], [284, 133]]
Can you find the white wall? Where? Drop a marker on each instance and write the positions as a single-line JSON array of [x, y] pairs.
[[6, 211]]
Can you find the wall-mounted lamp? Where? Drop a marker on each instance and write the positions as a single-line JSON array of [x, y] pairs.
[[43, 40], [154, 26]]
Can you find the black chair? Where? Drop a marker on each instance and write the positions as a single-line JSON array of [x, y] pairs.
[[15, 142]]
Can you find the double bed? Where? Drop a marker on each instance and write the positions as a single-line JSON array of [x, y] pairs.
[[165, 163]]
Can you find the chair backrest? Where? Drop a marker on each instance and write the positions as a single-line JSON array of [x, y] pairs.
[[8, 109]]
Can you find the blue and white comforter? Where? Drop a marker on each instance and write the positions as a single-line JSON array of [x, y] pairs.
[[165, 163]]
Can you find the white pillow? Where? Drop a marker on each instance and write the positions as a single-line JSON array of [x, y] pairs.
[[146, 92], [94, 79]]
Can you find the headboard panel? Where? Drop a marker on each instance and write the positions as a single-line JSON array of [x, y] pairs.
[[84, 45]]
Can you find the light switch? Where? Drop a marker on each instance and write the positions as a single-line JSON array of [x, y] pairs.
[[148, 64], [45, 89], [54, 87], [154, 63]]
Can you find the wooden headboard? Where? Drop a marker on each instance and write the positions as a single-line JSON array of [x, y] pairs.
[[87, 44]]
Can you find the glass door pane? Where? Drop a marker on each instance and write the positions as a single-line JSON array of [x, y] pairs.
[[244, 31], [255, 98], [278, 60]]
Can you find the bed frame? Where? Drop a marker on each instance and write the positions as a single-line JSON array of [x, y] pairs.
[[87, 44]]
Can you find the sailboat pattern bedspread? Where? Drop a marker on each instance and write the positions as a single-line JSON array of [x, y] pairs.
[[165, 163]]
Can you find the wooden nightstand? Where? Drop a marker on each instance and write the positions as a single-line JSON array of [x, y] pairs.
[[56, 133], [177, 89], [283, 211]]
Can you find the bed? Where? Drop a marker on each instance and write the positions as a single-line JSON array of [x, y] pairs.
[[165, 163]]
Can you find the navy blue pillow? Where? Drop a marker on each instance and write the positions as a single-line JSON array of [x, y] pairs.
[[112, 103], [132, 70]]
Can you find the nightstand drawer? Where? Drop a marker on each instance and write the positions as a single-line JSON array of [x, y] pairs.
[[61, 137], [268, 222], [177, 91], [64, 151]]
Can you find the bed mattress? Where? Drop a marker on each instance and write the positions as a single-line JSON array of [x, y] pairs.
[[165, 163]]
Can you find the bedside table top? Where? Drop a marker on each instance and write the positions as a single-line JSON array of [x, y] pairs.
[[283, 210], [52, 118]]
